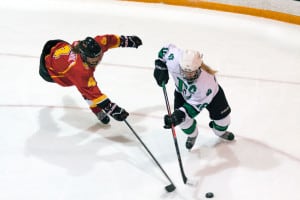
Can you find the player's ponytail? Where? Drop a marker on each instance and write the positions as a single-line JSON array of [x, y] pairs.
[[208, 69]]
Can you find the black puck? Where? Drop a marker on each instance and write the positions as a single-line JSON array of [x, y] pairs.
[[209, 195]]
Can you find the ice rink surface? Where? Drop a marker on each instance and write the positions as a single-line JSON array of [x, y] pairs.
[[53, 148]]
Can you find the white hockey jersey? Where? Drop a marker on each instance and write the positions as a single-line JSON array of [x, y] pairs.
[[197, 94]]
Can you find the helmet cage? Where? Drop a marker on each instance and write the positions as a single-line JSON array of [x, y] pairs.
[[189, 75], [89, 48]]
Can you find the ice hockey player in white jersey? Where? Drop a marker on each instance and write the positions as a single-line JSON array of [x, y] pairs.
[[196, 89]]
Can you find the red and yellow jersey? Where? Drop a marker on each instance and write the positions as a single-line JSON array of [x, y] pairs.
[[68, 69]]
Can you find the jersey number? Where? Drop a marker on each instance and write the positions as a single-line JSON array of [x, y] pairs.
[[91, 82], [186, 90], [62, 51]]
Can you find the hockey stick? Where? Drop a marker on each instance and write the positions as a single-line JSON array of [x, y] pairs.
[[184, 178], [169, 188]]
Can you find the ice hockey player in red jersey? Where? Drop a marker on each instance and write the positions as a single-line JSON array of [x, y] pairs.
[[74, 65]]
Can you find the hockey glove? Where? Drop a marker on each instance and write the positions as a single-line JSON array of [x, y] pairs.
[[116, 112], [176, 118], [130, 41], [99, 112], [161, 73]]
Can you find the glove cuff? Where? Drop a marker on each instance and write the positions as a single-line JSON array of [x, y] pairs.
[[160, 64], [103, 104], [123, 41]]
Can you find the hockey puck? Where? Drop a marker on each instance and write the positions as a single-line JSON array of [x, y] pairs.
[[209, 195]]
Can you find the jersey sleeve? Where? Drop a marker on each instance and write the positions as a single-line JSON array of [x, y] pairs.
[[165, 51], [108, 41], [170, 54], [86, 84], [93, 96]]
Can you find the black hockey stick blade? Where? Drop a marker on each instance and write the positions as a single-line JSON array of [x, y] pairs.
[[170, 188]]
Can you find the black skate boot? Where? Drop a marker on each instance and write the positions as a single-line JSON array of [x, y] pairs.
[[190, 141], [103, 117], [227, 136]]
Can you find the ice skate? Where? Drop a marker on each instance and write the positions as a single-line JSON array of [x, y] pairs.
[[190, 141], [227, 136]]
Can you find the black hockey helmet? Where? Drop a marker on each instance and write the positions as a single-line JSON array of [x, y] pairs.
[[89, 48]]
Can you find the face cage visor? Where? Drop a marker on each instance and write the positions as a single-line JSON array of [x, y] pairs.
[[190, 76], [93, 62]]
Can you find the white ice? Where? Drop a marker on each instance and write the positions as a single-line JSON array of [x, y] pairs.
[[53, 148]]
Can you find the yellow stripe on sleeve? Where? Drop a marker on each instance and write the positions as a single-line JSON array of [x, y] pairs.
[[98, 100]]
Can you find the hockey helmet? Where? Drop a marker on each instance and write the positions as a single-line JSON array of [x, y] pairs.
[[89, 47], [90, 50], [190, 64]]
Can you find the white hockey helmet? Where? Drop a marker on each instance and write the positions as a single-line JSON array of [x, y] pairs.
[[190, 64]]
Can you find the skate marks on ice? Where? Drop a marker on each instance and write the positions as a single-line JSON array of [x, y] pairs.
[[73, 140], [225, 166]]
